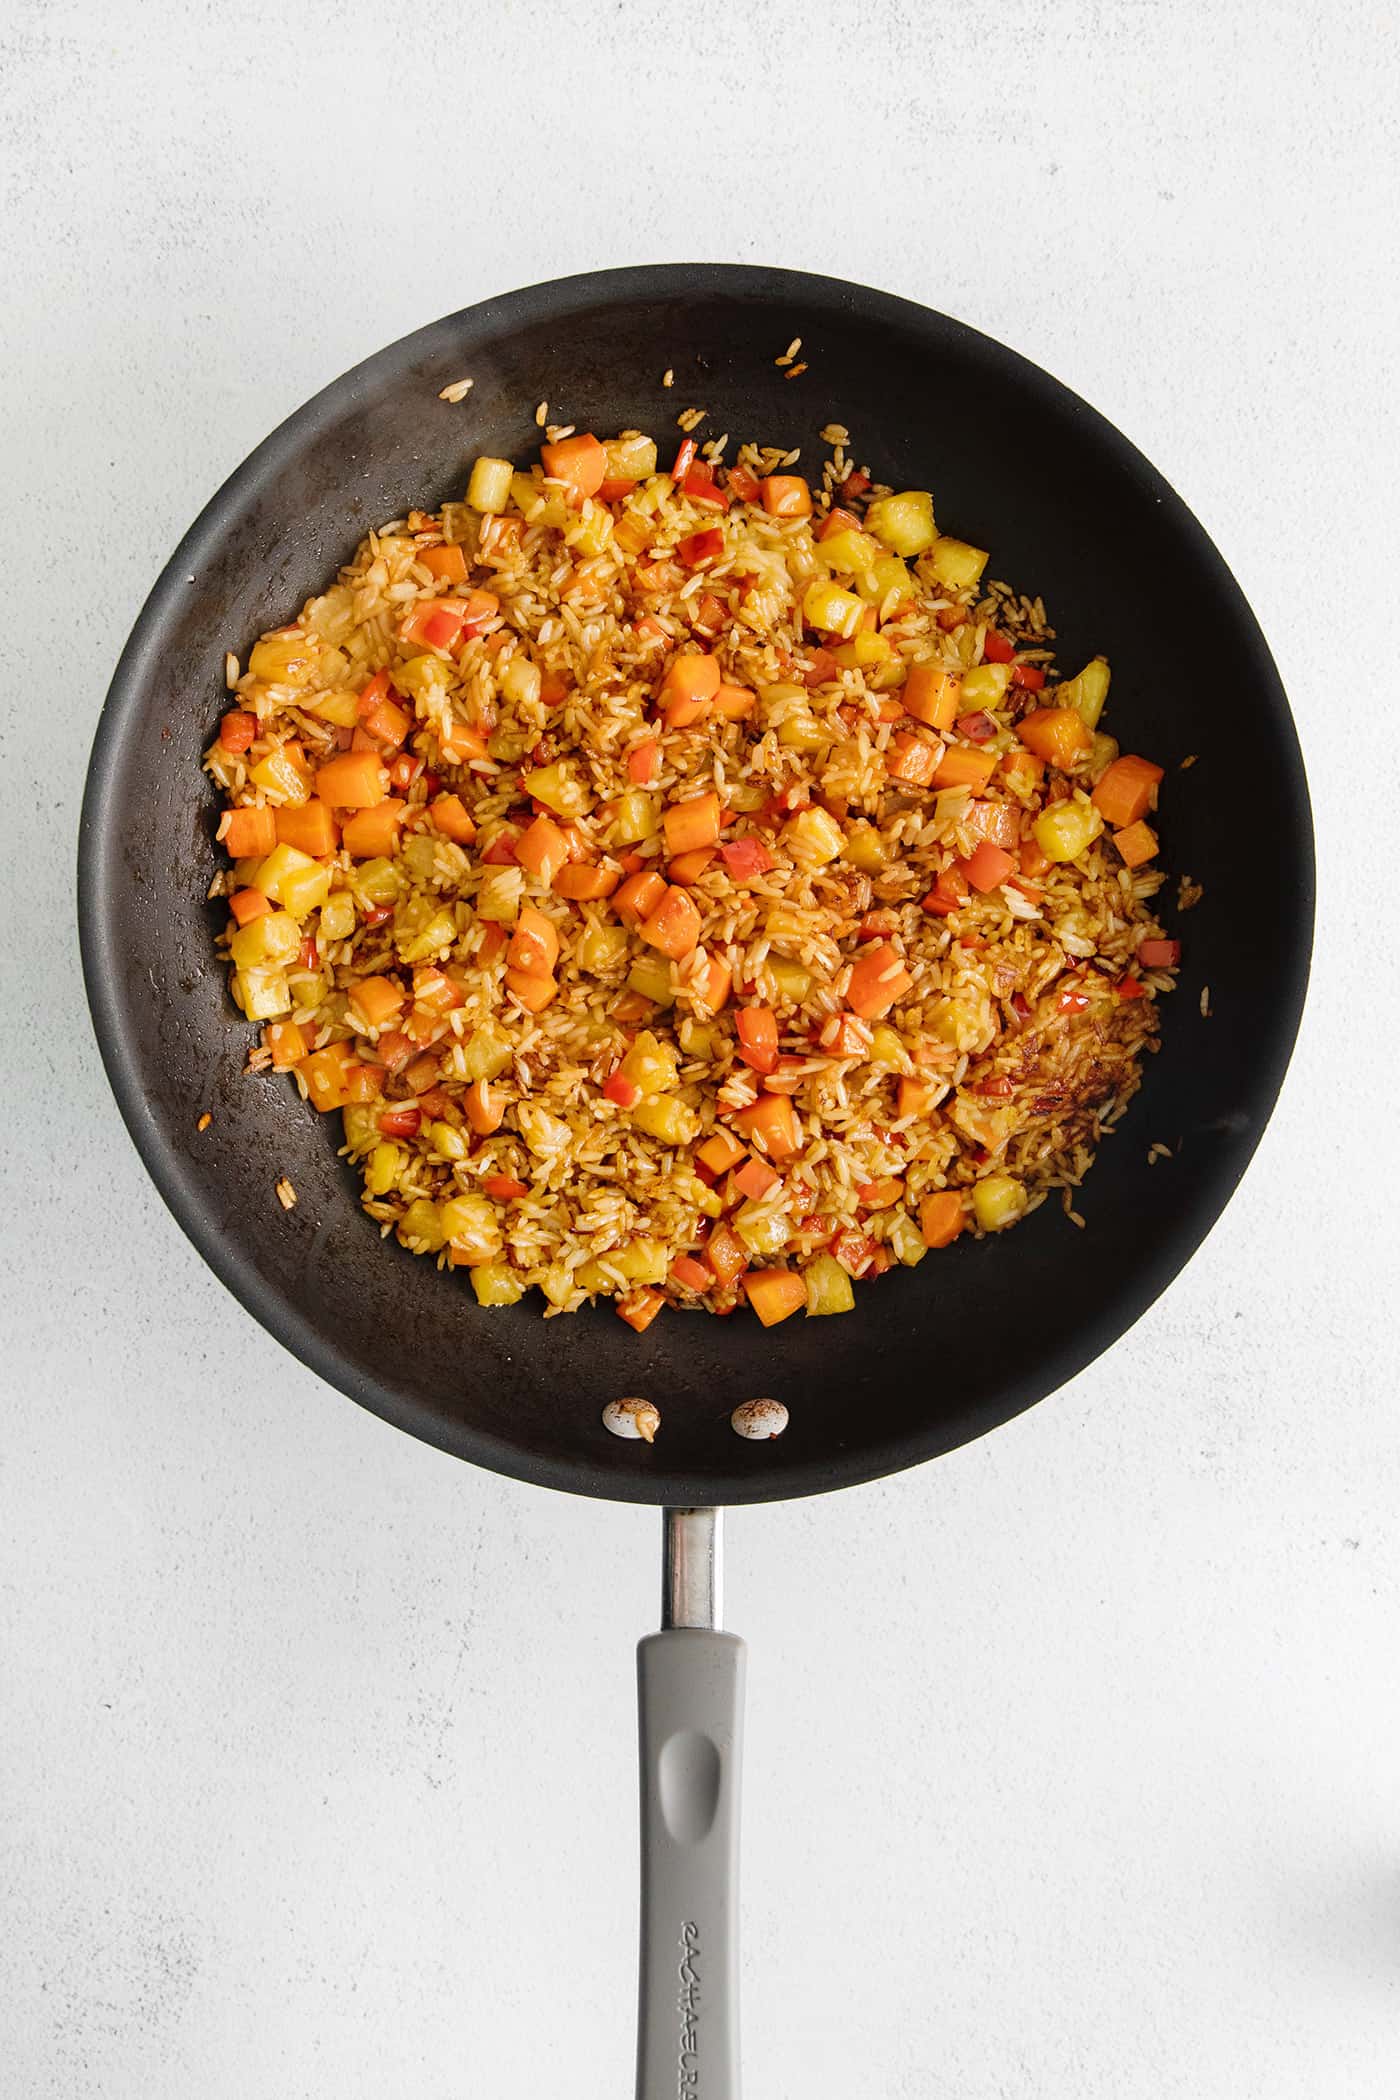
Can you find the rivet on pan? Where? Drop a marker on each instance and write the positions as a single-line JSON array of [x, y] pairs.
[[632, 1418], [759, 1419]]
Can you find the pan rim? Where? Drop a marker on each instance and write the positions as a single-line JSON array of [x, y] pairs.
[[781, 1477]]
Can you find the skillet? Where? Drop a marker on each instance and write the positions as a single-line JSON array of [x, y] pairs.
[[931, 1357]]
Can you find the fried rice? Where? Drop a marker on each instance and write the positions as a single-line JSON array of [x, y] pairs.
[[689, 888]]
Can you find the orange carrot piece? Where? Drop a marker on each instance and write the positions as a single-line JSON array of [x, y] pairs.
[[714, 984], [1125, 791], [878, 981], [449, 815], [448, 562], [543, 849], [726, 1254], [941, 1218], [690, 682], [580, 462], [770, 1122], [690, 1274], [534, 945], [1137, 843], [988, 867], [687, 868], [639, 896], [673, 926], [247, 905], [786, 496], [533, 989], [1059, 735], [286, 1044], [238, 729], [371, 832], [247, 834], [357, 780], [484, 1108], [692, 824], [376, 1000], [1023, 769], [644, 762], [775, 1294], [325, 1073], [758, 1036], [963, 766], [720, 1151], [735, 702], [912, 760], [362, 1082], [582, 884], [754, 1179], [930, 695], [916, 1096], [639, 1308]]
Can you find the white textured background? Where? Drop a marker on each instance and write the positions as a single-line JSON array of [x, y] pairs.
[[1072, 1762]]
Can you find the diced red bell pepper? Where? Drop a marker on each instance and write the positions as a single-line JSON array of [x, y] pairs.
[[1130, 988], [700, 548], [854, 1249], [758, 1037], [746, 857], [400, 1122], [504, 1188], [237, 729], [744, 486], [879, 981], [701, 487], [996, 649], [1159, 955], [978, 727], [621, 1090], [690, 1274], [1030, 677], [681, 465], [988, 867], [949, 894]]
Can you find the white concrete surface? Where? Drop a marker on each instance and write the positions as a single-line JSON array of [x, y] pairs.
[[1072, 1767]]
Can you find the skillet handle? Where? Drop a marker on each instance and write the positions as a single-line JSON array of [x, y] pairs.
[[690, 1685]]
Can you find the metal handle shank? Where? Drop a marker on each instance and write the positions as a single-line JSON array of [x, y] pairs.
[[690, 1681]]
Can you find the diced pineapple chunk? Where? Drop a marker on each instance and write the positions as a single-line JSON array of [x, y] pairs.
[[762, 1230], [378, 881], [792, 981], [383, 1168], [288, 658], [651, 976], [592, 1276], [887, 1049], [956, 564], [268, 942], [1087, 693], [867, 649], [340, 706], [557, 1283], [904, 522], [423, 678], [500, 894], [906, 1240], [521, 681], [865, 849], [642, 1260], [801, 731], [649, 1065], [888, 579], [829, 1288], [637, 817], [489, 487], [698, 1038], [559, 788], [1063, 831], [496, 1283], [486, 1053], [471, 1223], [422, 934], [813, 837], [601, 948], [668, 1118], [280, 780], [338, 916], [447, 1140], [998, 1200], [262, 994], [850, 553], [834, 611], [591, 530], [984, 686], [630, 458], [423, 1221], [1102, 753]]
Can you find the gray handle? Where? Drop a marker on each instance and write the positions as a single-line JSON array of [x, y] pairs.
[[690, 1685]]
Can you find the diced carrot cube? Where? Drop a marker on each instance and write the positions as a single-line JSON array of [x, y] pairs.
[[644, 762], [754, 1179], [673, 926], [376, 1000], [238, 729], [286, 1042], [435, 991], [459, 744], [580, 462], [912, 760], [720, 1151], [964, 766], [916, 1096], [484, 1108], [449, 815], [758, 1037], [582, 883], [786, 496], [735, 702], [309, 827], [639, 1308], [356, 780], [533, 990], [690, 682], [325, 1074], [534, 945], [1023, 769], [389, 723], [639, 896], [770, 1122], [878, 981], [941, 1218], [930, 695], [726, 1254], [543, 849], [371, 832], [687, 868], [449, 562], [997, 822], [1125, 791], [362, 1082], [1137, 843], [949, 894], [775, 1294], [247, 834], [879, 1195], [692, 824], [1059, 735], [247, 905]]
